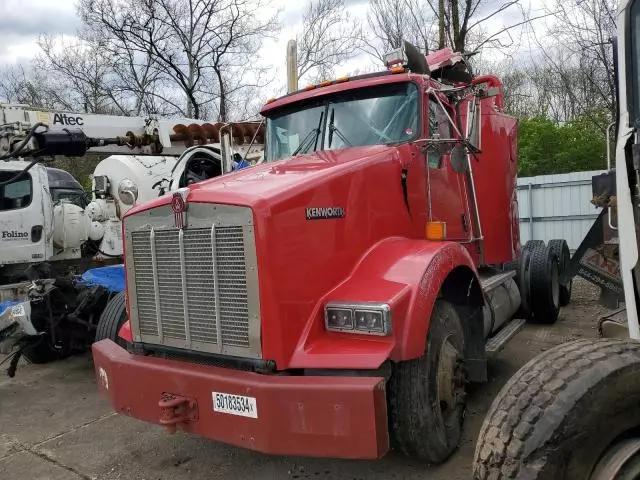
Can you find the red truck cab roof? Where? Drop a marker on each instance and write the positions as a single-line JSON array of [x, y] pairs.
[[340, 85], [439, 60]]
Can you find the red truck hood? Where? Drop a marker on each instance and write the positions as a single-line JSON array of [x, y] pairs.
[[284, 178]]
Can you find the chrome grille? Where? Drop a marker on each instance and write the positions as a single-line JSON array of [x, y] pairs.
[[195, 288], [234, 313]]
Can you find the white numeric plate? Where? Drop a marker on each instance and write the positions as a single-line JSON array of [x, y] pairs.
[[235, 404]]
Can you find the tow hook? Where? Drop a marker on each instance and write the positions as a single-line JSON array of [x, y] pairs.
[[175, 409]]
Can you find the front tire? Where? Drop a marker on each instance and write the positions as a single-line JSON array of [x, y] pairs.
[[426, 395], [112, 318], [560, 414]]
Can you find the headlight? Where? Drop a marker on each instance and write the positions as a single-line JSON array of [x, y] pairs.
[[367, 318], [128, 191]]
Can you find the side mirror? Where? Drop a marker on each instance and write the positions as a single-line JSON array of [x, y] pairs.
[[473, 125], [458, 159]]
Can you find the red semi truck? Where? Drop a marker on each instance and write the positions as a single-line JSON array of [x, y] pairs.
[[336, 299]]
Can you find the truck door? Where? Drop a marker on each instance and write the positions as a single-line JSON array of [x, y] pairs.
[[25, 207], [447, 190]]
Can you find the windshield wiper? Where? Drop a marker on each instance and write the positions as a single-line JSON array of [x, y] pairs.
[[312, 137], [333, 129]]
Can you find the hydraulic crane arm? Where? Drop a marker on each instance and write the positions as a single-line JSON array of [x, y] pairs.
[[71, 134]]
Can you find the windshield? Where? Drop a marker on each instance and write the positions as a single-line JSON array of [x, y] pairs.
[[386, 114]]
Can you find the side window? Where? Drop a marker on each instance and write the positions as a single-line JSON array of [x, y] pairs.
[[439, 127], [16, 194]]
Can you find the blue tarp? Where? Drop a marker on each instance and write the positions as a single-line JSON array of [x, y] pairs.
[[7, 304], [111, 278]]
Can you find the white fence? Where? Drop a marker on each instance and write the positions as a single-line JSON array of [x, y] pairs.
[[556, 206]]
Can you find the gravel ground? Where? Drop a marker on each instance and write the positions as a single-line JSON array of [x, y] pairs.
[[54, 425]]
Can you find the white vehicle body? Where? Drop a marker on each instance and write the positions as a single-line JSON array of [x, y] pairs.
[[626, 220], [37, 226]]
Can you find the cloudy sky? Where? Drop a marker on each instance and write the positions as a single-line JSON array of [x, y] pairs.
[[19, 29]]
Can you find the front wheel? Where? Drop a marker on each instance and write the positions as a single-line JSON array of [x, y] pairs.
[[112, 318], [570, 413], [427, 395]]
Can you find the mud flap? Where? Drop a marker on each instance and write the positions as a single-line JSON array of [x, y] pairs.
[[595, 261]]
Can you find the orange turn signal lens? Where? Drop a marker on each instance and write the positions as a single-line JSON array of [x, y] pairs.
[[271, 100], [397, 70], [436, 230], [326, 83], [309, 87], [342, 79]]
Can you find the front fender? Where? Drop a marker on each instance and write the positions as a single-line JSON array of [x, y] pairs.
[[407, 274]]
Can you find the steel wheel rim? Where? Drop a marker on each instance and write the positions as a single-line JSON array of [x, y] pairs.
[[620, 462], [449, 385]]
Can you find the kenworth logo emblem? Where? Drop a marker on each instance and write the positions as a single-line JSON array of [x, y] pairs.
[[324, 213], [179, 207]]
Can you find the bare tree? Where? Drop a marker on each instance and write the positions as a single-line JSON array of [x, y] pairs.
[[186, 41], [463, 25], [391, 21], [328, 37], [25, 85], [80, 71], [581, 41], [461, 19]]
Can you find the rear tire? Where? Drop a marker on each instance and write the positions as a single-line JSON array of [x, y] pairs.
[[561, 412], [561, 250], [544, 285], [426, 395], [531, 244], [41, 351], [112, 318]]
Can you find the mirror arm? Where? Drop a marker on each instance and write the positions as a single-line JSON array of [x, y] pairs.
[[433, 93]]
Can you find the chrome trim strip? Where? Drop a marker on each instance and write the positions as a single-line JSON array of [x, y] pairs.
[[156, 286], [185, 303], [216, 290]]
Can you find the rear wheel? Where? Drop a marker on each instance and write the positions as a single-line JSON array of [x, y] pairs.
[[561, 250], [544, 285], [41, 351], [570, 413], [531, 244], [112, 318], [427, 395]]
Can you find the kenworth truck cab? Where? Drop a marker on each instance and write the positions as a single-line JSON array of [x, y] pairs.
[[336, 299]]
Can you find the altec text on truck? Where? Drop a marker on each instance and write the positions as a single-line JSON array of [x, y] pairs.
[[335, 300]]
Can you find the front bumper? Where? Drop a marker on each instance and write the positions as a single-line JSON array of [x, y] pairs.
[[296, 415]]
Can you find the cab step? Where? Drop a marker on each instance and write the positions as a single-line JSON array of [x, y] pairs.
[[506, 333], [614, 324]]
